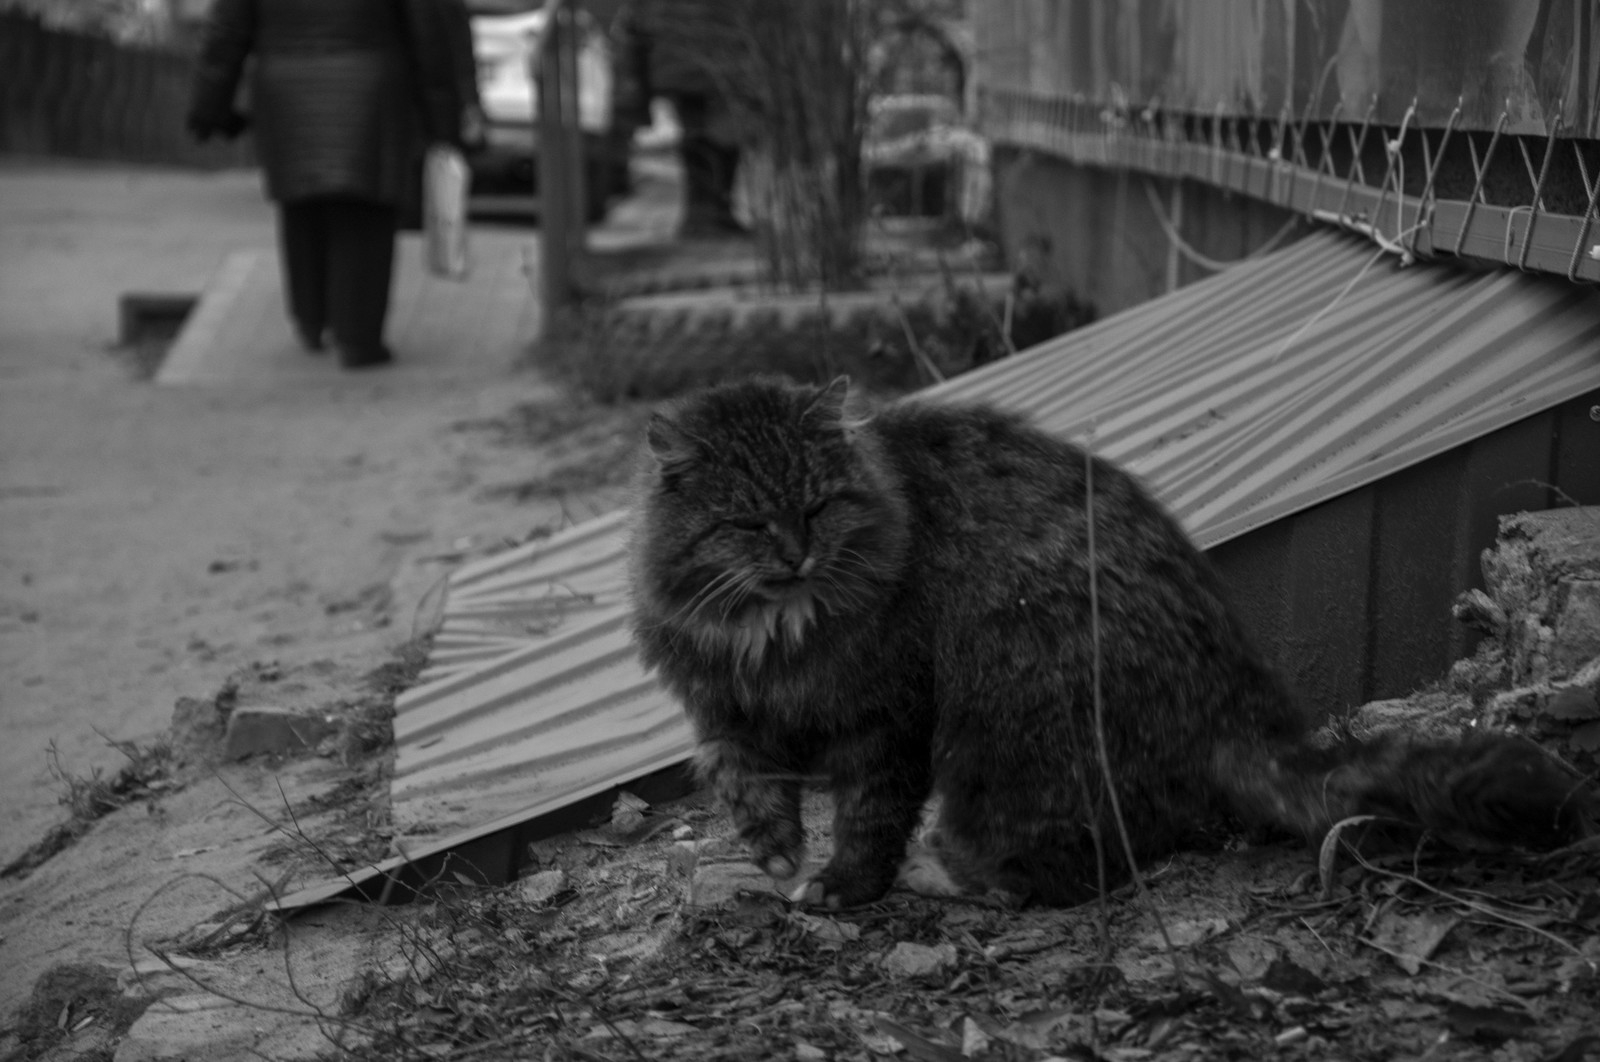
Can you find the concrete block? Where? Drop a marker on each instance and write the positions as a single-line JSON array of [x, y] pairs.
[[1576, 626], [276, 731], [142, 315]]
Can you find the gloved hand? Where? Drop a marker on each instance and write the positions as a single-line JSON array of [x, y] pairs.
[[474, 128], [204, 123]]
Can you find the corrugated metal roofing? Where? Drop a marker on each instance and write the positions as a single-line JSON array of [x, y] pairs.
[[1241, 399], [1260, 392]]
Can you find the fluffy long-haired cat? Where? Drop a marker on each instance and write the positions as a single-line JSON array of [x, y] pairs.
[[899, 600]]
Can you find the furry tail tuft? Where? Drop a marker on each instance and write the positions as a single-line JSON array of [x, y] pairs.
[[1475, 791]]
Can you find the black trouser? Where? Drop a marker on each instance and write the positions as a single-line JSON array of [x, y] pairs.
[[709, 168], [338, 260]]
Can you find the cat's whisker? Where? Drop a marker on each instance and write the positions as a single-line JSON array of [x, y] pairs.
[[842, 582], [712, 589], [839, 594], [732, 594], [737, 592]]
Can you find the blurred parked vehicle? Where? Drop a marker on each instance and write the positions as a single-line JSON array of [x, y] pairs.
[[505, 173], [923, 160]]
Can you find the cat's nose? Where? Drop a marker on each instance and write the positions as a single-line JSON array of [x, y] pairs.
[[807, 566], [792, 543]]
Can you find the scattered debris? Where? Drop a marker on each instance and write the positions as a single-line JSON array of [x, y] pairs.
[[90, 798], [543, 887], [907, 960]]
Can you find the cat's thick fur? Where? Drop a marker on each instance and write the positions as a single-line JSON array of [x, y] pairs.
[[899, 599]]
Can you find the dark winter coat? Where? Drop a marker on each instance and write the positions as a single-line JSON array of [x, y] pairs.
[[344, 94]]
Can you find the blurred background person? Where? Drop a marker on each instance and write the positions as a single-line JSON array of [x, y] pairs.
[[678, 46], [344, 97]]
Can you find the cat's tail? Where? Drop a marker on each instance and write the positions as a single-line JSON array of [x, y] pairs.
[[1473, 791]]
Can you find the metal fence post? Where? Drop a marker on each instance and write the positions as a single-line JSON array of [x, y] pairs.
[[560, 150]]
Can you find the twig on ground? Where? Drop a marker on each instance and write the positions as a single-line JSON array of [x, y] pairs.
[[1100, 720]]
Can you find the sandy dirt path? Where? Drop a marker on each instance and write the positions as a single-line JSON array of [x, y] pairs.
[[153, 540]]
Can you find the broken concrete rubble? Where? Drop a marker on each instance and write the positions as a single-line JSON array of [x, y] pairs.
[[1541, 599], [1538, 668]]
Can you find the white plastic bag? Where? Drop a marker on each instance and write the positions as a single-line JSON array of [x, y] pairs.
[[446, 181]]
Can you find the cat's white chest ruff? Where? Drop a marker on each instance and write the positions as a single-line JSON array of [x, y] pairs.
[[770, 625]]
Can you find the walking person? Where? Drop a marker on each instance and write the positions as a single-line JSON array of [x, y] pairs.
[[344, 97]]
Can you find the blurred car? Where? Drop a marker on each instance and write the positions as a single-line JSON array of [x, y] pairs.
[[505, 173], [923, 160]]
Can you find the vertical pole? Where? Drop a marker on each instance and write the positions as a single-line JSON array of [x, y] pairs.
[[1174, 261], [554, 243], [572, 127]]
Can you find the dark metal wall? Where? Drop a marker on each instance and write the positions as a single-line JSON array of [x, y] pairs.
[[1522, 65], [1352, 597], [1094, 232]]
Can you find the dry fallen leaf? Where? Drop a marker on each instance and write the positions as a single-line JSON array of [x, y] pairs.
[[826, 931], [1412, 940], [917, 1046]]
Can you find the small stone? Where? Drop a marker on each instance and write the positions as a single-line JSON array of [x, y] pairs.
[[196, 730], [262, 729], [808, 1052], [682, 858], [1573, 704], [827, 932], [628, 812], [542, 887], [907, 960], [719, 884], [974, 1040], [1184, 932]]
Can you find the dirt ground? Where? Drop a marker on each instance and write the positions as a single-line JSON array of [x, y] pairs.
[[156, 541]]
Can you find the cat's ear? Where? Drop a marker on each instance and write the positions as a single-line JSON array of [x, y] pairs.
[[832, 404], [670, 445]]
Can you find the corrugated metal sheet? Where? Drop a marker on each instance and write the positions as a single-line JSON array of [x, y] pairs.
[[1240, 400], [1269, 388]]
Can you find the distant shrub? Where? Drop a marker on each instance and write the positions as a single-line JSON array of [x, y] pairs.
[[615, 354]]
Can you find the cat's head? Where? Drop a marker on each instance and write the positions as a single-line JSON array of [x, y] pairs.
[[767, 507]]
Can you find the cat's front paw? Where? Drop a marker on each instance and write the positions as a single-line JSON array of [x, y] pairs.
[[925, 873], [833, 889], [778, 848], [779, 866]]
